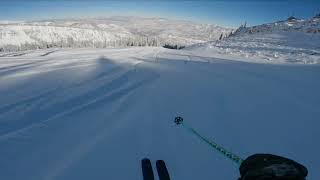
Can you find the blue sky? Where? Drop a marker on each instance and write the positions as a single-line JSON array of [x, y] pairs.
[[229, 13]]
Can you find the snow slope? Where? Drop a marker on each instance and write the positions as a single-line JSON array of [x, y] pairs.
[[95, 113], [290, 41], [105, 32]]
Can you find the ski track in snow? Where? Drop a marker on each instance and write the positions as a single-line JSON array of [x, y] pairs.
[[95, 113]]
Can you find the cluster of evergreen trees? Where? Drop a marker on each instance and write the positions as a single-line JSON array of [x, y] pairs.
[[168, 46], [72, 43], [224, 36]]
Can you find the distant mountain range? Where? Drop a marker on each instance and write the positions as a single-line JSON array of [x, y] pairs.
[[105, 32]]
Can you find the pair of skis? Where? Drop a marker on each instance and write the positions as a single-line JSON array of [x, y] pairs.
[[148, 172]]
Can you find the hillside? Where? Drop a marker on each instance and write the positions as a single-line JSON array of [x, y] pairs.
[[289, 41], [105, 32], [292, 24]]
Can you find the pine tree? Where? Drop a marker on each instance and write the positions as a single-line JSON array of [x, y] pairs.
[[221, 37]]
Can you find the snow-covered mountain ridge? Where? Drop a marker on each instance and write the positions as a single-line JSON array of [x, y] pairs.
[[289, 41], [105, 32], [292, 24]]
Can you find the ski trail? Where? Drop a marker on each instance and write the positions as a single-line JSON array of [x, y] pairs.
[[110, 73], [52, 95], [28, 100], [14, 67], [34, 66], [86, 146], [99, 77], [113, 93], [35, 72], [81, 150]]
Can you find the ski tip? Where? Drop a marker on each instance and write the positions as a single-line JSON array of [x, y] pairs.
[[160, 162], [147, 171], [162, 170], [145, 160]]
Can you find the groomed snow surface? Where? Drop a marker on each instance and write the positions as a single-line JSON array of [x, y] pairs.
[[83, 114]]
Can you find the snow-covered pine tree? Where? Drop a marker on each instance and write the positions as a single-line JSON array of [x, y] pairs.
[[221, 37]]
